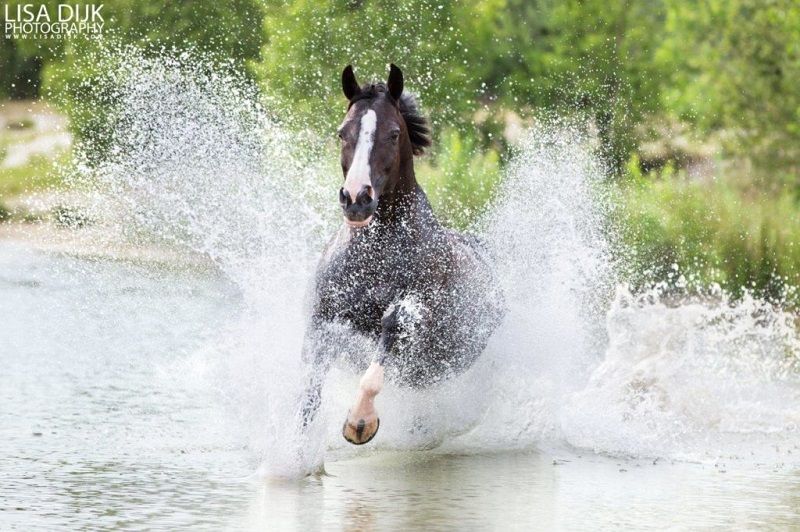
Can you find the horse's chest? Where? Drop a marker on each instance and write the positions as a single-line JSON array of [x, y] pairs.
[[359, 291]]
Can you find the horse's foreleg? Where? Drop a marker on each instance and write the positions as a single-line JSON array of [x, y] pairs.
[[362, 421], [312, 395]]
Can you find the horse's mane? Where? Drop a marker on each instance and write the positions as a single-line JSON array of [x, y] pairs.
[[417, 125]]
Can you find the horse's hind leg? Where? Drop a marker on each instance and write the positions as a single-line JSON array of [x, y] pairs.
[[398, 323]]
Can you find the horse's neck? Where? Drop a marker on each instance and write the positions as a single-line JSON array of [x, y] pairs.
[[407, 207], [407, 204]]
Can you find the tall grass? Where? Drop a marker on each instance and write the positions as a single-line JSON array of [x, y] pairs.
[[39, 173], [713, 231], [459, 178]]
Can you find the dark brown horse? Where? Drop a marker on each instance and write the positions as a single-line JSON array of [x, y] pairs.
[[392, 273]]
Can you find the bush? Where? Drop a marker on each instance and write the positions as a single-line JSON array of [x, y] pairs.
[[461, 178], [713, 232], [227, 29]]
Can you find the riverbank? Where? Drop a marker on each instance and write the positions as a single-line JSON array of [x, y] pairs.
[[97, 243], [712, 231], [34, 143]]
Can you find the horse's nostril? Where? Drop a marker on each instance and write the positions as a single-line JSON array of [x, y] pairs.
[[344, 197], [364, 197]]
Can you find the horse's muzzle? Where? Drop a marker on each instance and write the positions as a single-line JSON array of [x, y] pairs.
[[358, 213]]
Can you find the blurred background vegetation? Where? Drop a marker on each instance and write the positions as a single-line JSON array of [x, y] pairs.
[[695, 102]]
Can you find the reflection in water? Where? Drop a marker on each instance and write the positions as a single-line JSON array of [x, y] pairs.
[[542, 490]]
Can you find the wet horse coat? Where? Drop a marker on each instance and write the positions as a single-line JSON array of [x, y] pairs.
[[392, 272]]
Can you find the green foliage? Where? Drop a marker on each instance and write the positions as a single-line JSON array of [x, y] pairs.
[[21, 60], [735, 65], [714, 232], [227, 29], [590, 57], [462, 178], [729, 66], [439, 45]]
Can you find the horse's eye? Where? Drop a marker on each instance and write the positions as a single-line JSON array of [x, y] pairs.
[[394, 135], [340, 134]]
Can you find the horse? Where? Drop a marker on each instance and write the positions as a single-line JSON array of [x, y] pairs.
[[423, 295]]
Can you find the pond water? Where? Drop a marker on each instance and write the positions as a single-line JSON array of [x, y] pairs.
[[108, 420]]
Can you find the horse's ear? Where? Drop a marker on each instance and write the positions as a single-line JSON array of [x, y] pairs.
[[395, 83], [349, 83]]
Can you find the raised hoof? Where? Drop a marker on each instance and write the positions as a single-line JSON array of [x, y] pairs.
[[361, 431]]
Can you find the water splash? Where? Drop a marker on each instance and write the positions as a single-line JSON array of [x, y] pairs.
[[549, 239], [583, 360], [197, 163], [697, 379]]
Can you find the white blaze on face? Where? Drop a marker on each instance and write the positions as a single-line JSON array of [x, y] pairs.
[[358, 175]]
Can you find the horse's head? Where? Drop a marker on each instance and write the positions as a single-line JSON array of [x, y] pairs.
[[379, 136]]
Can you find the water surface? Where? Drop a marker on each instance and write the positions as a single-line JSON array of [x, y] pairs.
[[108, 421]]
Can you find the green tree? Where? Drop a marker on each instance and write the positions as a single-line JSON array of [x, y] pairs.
[[593, 57], [444, 49], [462, 57], [22, 60], [734, 65], [227, 29]]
